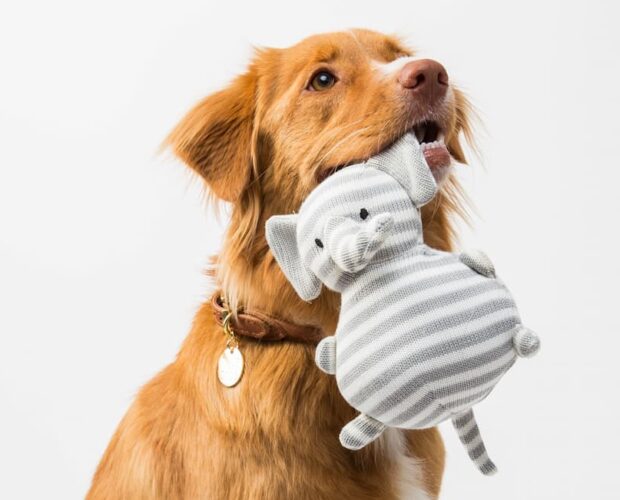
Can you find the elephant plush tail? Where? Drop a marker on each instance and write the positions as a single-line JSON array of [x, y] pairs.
[[469, 434]]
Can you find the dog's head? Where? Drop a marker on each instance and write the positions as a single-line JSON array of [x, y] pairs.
[[301, 113]]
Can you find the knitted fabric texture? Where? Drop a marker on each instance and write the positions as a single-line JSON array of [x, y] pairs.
[[423, 335]]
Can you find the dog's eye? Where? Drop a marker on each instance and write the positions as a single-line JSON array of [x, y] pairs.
[[319, 243], [323, 80], [363, 213]]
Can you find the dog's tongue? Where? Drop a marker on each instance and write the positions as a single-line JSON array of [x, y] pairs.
[[438, 159]]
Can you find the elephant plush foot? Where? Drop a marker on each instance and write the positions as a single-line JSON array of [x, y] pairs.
[[360, 431], [325, 355], [526, 342], [479, 262]]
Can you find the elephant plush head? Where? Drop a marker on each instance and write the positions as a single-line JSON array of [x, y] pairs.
[[363, 213]]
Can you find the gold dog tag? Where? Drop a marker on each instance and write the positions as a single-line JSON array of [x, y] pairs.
[[230, 366]]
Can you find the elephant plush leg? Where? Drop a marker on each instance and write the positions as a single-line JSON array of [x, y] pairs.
[[360, 431], [479, 262], [525, 341], [325, 356]]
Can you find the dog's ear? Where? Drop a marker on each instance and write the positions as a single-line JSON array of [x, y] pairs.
[[281, 233], [215, 137]]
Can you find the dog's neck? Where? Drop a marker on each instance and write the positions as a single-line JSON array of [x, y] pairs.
[[261, 286], [248, 275]]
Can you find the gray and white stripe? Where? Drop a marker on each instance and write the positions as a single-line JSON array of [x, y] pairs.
[[423, 335]]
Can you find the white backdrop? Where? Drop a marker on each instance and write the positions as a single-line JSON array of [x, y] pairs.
[[103, 243]]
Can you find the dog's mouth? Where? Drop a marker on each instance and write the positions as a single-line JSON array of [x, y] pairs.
[[431, 138]]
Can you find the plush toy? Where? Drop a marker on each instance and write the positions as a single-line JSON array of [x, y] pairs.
[[423, 334]]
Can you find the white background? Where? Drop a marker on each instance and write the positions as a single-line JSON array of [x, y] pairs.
[[103, 243]]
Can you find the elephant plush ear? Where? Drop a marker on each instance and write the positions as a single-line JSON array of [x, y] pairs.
[[281, 233], [405, 161]]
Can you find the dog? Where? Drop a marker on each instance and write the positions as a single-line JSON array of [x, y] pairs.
[[295, 116]]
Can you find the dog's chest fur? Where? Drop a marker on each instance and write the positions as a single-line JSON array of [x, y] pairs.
[[409, 475]]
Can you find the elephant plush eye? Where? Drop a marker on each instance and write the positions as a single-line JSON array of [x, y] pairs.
[[363, 213], [319, 243]]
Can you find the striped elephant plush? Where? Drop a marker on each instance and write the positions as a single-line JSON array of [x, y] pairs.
[[422, 335]]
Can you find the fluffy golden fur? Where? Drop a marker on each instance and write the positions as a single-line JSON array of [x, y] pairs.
[[261, 144]]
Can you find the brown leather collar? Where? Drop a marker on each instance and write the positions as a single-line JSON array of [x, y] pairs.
[[260, 326]]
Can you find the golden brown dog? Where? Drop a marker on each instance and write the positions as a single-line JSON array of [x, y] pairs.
[[262, 144]]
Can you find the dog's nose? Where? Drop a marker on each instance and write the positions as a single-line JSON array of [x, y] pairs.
[[426, 78]]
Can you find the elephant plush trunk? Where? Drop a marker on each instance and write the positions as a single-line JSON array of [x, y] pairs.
[[353, 244]]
